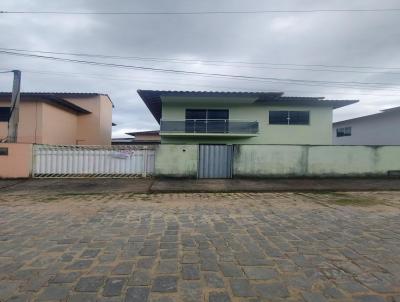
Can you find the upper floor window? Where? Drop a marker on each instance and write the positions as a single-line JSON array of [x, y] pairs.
[[207, 120], [289, 117], [207, 114], [4, 114], [343, 131]]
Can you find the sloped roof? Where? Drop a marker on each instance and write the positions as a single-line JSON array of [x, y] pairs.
[[379, 114], [152, 99], [52, 98], [151, 132], [58, 94]]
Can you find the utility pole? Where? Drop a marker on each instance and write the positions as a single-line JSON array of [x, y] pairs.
[[14, 111]]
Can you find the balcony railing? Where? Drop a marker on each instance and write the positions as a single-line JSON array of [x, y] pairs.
[[210, 126]]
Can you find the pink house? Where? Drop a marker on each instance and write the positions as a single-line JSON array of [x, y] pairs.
[[60, 118]]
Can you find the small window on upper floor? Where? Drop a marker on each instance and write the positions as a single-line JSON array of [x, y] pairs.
[[289, 117], [4, 114], [343, 131]]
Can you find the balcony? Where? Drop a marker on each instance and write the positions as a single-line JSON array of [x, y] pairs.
[[209, 127]]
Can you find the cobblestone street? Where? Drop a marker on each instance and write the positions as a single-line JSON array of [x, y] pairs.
[[200, 247]]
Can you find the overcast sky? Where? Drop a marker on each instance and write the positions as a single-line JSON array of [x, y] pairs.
[[351, 39]]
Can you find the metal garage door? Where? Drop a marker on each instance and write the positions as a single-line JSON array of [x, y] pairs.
[[215, 161]]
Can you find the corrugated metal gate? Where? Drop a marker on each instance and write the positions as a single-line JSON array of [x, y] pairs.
[[215, 161], [95, 161]]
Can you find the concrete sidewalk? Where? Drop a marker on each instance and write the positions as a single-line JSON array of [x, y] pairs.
[[143, 186], [276, 185]]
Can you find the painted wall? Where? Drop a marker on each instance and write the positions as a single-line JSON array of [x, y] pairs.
[[44, 123], [18, 162], [373, 130], [318, 132], [30, 122], [286, 160], [176, 160], [59, 127], [254, 161], [94, 128]]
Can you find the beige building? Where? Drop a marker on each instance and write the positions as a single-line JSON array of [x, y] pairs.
[[60, 118]]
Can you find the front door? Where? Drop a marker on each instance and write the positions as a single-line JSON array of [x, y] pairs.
[[215, 161]]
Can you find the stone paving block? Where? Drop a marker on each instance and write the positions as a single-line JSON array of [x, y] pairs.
[[169, 254], [241, 288], [272, 290], [163, 299], [90, 253], [169, 266], [20, 298], [191, 291], [8, 289], [260, 273], [213, 280], [313, 297], [113, 286], [189, 258], [369, 298], [65, 277], [145, 263], [167, 284], [190, 272], [90, 284], [229, 269], [54, 292], [82, 297], [140, 278], [123, 268], [79, 265], [149, 250], [137, 294], [219, 297], [209, 265]]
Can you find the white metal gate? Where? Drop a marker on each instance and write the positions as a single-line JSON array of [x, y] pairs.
[[94, 161], [215, 161]]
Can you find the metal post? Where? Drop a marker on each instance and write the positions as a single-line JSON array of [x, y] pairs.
[[14, 111]]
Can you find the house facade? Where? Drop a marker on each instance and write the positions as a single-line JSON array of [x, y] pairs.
[[188, 117], [374, 129], [60, 118]]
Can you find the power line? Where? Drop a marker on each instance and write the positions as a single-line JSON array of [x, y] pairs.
[[185, 72], [102, 77], [243, 12], [223, 63]]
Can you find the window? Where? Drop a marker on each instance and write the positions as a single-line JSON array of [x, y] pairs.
[[289, 117], [207, 120], [279, 117], [344, 131], [4, 114]]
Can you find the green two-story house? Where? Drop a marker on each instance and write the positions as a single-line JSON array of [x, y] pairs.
[[191, 117]]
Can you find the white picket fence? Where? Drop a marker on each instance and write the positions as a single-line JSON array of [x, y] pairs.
[[93, 161]]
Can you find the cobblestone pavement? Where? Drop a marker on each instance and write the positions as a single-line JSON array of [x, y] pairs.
[[200, 247]]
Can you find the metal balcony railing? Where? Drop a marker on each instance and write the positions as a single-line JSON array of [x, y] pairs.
[[210, 126]]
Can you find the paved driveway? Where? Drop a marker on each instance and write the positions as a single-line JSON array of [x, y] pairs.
[[200, 247]]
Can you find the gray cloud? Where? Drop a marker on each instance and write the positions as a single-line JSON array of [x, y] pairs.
[[364, 39]]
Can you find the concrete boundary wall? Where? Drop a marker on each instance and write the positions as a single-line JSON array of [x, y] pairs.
[[320, 161], [286, 160], [15, 160]]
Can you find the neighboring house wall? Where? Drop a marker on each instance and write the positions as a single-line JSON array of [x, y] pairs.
[[29, 127], [379, 129], [318, 132], [59, 127], [94, 128], [46, 123]]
